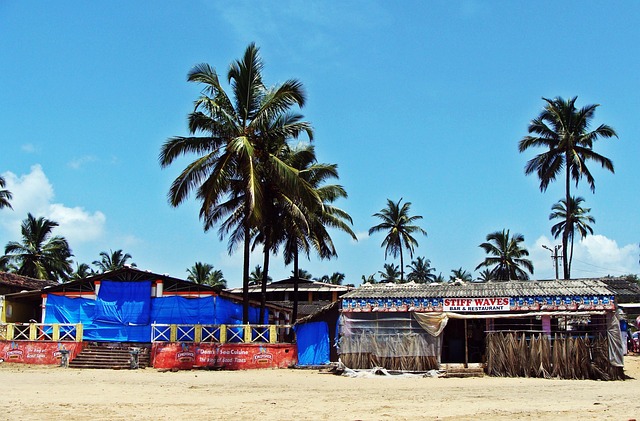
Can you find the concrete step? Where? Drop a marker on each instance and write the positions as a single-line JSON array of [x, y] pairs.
[[109, 356]]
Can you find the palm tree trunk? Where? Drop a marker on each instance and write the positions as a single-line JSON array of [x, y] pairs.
[[245, 272], [401, 266], [294, 316], [265, 275], [565, 234]]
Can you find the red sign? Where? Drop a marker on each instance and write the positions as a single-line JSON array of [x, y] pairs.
[[37, 352], [225, 356]]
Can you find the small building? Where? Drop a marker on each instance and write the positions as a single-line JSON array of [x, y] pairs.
[[312, 295], [565, 329], [11, 283]]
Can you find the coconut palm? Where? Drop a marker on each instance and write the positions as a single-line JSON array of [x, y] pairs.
[[421, 271], [565, 132], [506, 256], [5, 196], [205, 274], [82, 271], [371, 279], [257, 275], [303, 226], [113, 260], [391, 273], [398, 224], [40, 255], [460, 275], [233, 149], [576, 216], [335, 279], [485, 276]]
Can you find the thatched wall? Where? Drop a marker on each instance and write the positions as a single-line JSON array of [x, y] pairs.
[[512, 354]]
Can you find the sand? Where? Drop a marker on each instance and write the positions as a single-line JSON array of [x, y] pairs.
[[45, 392]]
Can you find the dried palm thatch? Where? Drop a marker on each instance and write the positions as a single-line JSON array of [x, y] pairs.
[[513, 355]]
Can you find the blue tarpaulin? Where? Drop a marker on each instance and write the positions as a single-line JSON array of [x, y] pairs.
[[124, 312], [313, 343]]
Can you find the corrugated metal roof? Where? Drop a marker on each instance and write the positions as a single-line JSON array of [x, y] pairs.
[[289, 287], [479, 290]]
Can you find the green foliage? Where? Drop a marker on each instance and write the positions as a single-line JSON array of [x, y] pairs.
[[112, 260], [420, 271], [506, 256], [204, 273], [460, 275], [5, 196], [391, 273]]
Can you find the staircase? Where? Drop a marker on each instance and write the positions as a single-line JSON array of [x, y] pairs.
[[115, 356], [460, 371]]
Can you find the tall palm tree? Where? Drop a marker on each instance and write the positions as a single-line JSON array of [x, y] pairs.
[[576, 216], [397, 222], [565, 132], [233, 149], [256, 276], [205, 274], [421, 271], [5, 196], [304, 226], [40, 255], [391, 273], [485, 276], [112, 260], [506, 256]]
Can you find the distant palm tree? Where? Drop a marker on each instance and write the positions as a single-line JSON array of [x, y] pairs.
[[255, 277], [113, 260], [5, 196], [564, 131], [421, 271], [486, 276], [576, 216], [82, 271], [40, 255], [440, 278], [335, 279], [204, 273], [460, 275], [371, 279], [398, 225], [391, 273], [506, 256], [303, 274]]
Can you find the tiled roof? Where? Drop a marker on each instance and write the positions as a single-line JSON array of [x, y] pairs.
[[286, 285], [18, 282], [488, 289]]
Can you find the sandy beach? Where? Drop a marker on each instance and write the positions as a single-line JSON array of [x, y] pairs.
[[46, 392]]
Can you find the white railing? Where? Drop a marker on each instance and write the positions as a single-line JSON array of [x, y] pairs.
[[51, 332], [220, 333]]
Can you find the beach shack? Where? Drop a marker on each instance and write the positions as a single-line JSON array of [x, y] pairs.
[[176, 323], [564, 329]]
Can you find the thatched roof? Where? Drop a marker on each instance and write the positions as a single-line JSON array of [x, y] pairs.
[[574, 287], [17, 283]]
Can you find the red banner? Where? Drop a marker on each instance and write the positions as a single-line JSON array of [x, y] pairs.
[[186, 356], [37, 352]]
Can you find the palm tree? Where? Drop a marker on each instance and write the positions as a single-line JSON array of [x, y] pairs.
[[576, 216], [421, 271], [233, 152], [397, 222], [440, 278], [82, 271], [303, 226], [40, 255], [257, 275], [506, 256], [205, 274], [113, 260], [564, 131], [391, 273], [335, 279], [485, 276], [5, 196], [371, 279], [460, 275]]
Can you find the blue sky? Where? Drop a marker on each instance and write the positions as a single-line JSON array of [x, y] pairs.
[[420, 100]]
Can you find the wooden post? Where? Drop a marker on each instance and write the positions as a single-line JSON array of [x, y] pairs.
[[79, 332], [10, 331], [173, 333], [197, 335], [273, 333], [223, 334], [466, 346], [33, 333], [56, 332], [247, 334]]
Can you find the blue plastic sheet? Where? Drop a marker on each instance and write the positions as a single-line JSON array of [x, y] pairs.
[[125, 303], [313, 343], [180, 310]]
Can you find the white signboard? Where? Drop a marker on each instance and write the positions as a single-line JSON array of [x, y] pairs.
[[475, 304]]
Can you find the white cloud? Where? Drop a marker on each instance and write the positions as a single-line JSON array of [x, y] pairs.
[[80, 162], [29, 148], [33, 193], [594, 256]]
